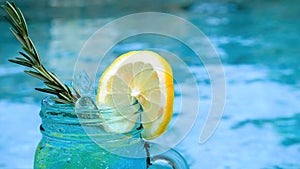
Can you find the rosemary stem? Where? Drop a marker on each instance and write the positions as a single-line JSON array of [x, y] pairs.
[[32, 59]]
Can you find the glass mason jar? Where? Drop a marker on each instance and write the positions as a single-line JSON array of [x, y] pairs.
[[73, 140]]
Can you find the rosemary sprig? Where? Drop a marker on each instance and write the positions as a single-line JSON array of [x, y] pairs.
[[30, 58]]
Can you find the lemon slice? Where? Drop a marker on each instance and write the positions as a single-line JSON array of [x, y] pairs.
[[138, 76]]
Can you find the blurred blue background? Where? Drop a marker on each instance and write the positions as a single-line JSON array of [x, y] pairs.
[[259, 45]]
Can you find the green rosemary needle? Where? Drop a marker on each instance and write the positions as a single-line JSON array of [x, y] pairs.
[[30, 58]]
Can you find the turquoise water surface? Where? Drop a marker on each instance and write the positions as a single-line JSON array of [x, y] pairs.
[[257, 41]]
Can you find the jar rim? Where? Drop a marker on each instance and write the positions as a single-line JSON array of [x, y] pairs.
[[47, 101], [68, 113], [55, 114]]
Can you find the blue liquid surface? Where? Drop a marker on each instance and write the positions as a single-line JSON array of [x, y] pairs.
[[258, 43]]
